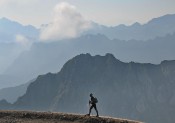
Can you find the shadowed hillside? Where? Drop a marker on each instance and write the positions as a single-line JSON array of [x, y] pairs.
[[49, 117]]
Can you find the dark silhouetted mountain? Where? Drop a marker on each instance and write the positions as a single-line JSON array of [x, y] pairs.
[[11, 94], [44, 57], [156, 27], [9, 29], [129, 90]]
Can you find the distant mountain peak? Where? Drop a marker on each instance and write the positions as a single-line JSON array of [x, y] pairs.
[[4, 19], [168, 62], [155, 27], [136, 24], [163, 19], [9, 21], [10, 29], [110, 55], [87, 59], [88, 55]]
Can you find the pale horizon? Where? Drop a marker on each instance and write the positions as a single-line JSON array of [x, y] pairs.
[[104, 12]]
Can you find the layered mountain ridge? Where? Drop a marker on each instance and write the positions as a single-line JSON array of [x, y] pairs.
[[157, 27], [21, 66], [40, 59], [9, 29]]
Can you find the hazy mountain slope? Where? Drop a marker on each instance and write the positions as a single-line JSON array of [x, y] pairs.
[[44, 57], [8, 53], [11, 94], [8, 81], [130, 90], [9, 29], [156, 27], [13, 40]]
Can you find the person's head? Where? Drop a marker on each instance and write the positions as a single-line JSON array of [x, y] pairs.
[[91, 95]]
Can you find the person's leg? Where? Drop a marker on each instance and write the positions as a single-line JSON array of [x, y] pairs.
[[90, 110], [95, 107]]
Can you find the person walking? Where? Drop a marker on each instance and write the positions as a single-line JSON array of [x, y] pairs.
[[92, 104]]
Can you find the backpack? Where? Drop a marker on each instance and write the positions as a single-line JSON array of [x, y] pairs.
[[95, 100]]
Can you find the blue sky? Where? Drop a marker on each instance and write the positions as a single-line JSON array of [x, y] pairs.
[[106, 12]]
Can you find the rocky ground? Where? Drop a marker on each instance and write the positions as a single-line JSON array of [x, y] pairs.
[[50, 117]]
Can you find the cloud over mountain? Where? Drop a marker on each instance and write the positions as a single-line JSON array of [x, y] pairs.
[[67, 23], [23, 41]]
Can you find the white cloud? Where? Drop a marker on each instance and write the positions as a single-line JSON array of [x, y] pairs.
[[22, 40], [67, 23]]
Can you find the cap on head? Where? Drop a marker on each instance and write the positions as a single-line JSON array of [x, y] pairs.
[[91, 94]]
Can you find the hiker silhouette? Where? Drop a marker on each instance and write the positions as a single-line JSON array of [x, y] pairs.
[[92, 104]]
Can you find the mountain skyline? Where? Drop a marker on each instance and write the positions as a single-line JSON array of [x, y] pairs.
[[11, 31], [20, 58], [156, 27], [104, 12]]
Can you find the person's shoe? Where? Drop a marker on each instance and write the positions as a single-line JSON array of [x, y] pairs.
[[97, 116], [87, 114]]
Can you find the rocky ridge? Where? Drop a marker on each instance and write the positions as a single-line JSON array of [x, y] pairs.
[[53, 117]]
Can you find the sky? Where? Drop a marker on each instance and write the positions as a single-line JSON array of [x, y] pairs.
[[106, 12]]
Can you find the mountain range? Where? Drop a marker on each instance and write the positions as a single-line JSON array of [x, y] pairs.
[[157, 27], [50, 57], [140, 91], [146, 43], [9, 29]]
